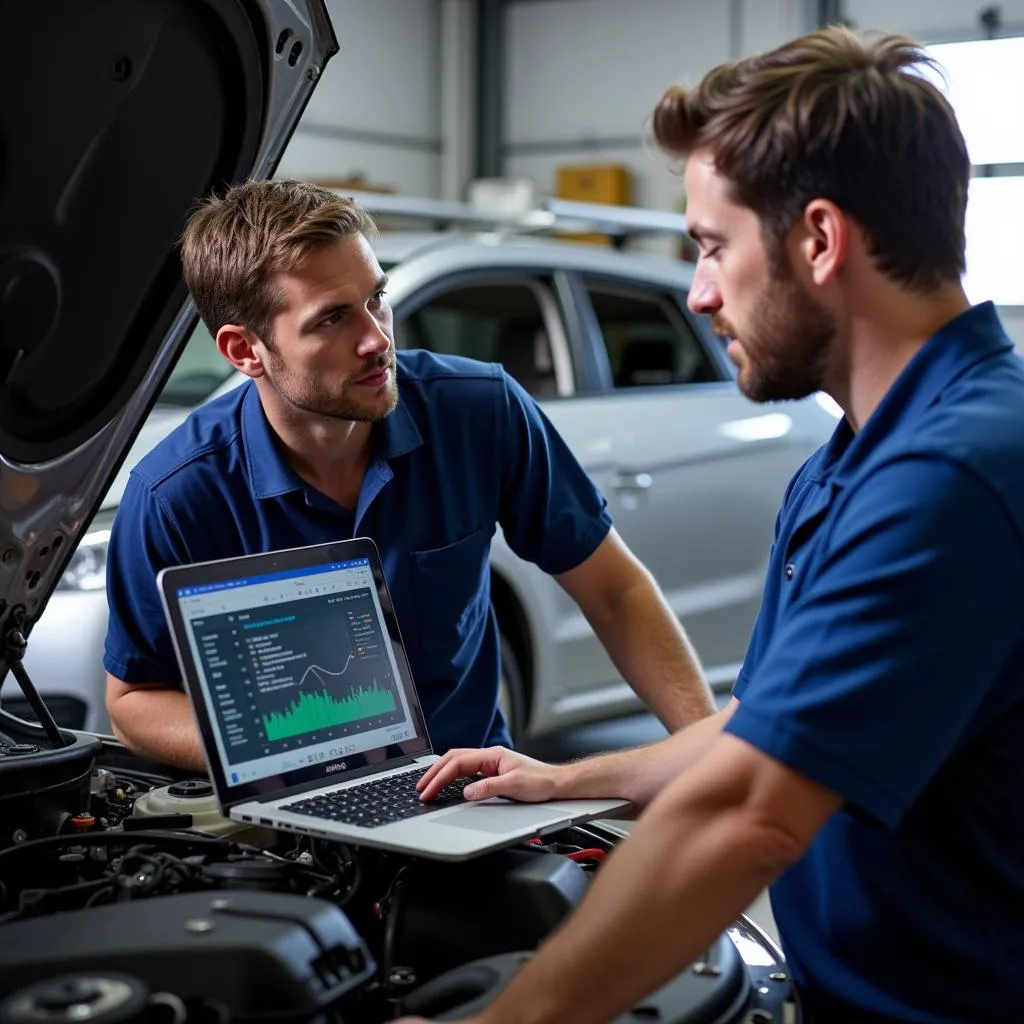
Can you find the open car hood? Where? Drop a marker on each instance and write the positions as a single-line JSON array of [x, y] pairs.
[[118, 116]]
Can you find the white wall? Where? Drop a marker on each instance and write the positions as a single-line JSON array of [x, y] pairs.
[[577, 71], [930, 20], [582, 77], [376, 112]]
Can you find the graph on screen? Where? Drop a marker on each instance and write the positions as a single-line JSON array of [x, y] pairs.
[[308, 671], [312, 711]]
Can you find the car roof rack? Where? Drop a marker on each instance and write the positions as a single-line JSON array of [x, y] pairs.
[[549, 216]]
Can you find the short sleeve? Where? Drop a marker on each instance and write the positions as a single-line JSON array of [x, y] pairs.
[[551, 512], [138, 647], [880, 666]]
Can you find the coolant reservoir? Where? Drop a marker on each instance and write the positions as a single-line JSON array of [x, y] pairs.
[[195, 797]]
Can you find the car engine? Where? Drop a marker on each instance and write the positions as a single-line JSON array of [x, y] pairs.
[[125, 896]]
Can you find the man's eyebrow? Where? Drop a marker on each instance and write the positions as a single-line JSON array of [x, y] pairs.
[[321, 313], [702, 235], [330, 308]]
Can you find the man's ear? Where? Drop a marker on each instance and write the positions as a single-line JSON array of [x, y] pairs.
[[825, 237], [238, 346]]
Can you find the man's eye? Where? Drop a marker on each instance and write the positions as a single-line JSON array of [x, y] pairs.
[[378, 297], [711, 253], [330, 321]]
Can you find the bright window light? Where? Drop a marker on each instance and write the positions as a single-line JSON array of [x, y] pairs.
[[995, 224], [984, 80]]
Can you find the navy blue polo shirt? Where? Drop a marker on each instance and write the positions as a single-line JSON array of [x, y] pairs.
[[887, 663], [465, 449]]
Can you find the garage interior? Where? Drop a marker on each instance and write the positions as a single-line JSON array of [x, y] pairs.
[[526, 217], [522, 77]]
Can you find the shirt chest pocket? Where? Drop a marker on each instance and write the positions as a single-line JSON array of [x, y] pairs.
[[452, 595]]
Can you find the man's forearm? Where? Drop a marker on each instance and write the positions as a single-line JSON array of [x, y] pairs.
[[639, 775], [654, 655], [691, 866], [158, 724]]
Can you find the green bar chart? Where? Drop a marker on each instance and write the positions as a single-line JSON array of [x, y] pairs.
[[319, 710]]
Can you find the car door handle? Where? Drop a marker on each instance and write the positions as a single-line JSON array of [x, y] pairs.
[[632, 481]]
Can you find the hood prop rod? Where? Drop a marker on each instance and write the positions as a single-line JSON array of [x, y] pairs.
[[13, 651]]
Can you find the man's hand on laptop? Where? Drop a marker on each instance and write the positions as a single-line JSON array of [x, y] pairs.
[[508, 774]]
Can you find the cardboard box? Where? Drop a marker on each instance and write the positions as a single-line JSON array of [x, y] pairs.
[[594, 183]]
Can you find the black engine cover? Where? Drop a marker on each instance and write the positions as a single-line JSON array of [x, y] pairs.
[[41, 787], [718, 991], [507, 901], [257, 955]]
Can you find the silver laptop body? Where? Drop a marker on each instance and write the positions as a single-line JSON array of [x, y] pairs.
[[303, 696]]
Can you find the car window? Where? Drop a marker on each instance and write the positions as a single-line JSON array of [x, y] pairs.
[[496, 322], [649, 341], [200, 370]]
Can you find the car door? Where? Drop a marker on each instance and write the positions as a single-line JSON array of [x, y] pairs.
[[695, 471]]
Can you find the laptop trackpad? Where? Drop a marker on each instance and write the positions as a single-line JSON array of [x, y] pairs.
[[497, 817]]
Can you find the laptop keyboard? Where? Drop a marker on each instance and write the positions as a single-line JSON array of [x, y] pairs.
[[380, 802]]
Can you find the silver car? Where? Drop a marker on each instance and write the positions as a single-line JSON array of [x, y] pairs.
[[641, 391]]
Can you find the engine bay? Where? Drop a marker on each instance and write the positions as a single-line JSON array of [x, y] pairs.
[[126, 896]]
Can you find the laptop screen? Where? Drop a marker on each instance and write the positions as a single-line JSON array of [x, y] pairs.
[[296, 670]]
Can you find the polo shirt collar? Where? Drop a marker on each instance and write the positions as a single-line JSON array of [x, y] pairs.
[[968, 339], [398, 433], [270, 476]]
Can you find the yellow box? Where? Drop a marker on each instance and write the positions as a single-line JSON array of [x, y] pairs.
[[595, 183]]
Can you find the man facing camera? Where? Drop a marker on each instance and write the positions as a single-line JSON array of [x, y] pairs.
[[336, 435]]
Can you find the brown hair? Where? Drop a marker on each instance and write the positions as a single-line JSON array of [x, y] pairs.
[[837, 116], [232, 246]]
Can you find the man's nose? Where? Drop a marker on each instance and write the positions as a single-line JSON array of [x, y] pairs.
[[704, 296], [375, 339]]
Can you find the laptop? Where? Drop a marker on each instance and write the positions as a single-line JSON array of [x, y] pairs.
[[308, 713]]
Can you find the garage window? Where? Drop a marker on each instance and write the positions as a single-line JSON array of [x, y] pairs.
[[649, 341], [505, 323], [983, 79]]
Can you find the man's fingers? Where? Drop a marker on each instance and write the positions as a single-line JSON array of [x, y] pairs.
[[437, 766], [443, 763], [448, 771], [462, 765]]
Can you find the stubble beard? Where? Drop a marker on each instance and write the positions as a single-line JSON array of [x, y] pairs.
[[314, 399], [787, 352]]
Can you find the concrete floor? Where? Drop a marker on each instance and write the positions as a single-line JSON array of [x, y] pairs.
[[632, 731]]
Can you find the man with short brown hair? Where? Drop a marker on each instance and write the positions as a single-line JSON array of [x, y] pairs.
[[337, 434], [869, 764]]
